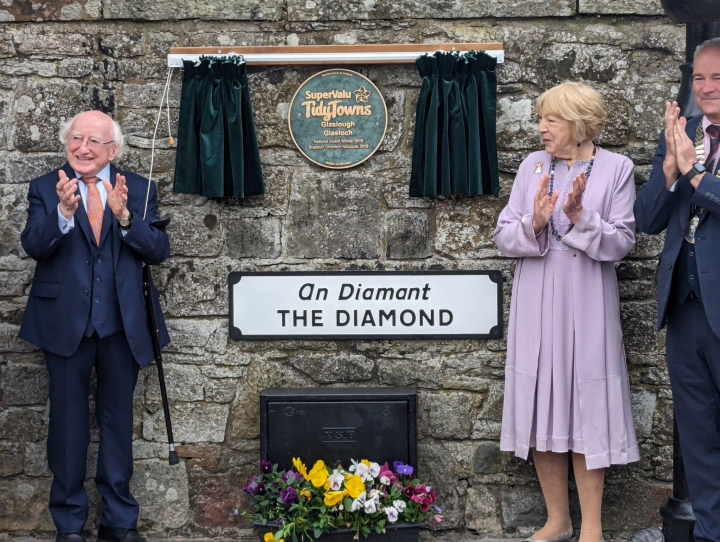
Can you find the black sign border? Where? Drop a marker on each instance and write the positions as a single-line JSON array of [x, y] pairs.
[[496, 332]]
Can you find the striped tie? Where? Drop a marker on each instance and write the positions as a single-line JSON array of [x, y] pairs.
[[94, 206], [711, 163]]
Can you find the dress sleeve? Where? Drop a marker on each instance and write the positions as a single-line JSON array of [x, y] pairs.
[[608, 240], [514, 234]]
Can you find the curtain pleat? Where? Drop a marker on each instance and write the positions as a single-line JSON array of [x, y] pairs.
[[217, 151], [455, 147]]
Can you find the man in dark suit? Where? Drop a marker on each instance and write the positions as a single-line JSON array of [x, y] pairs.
[[86, 309], [682, 198]]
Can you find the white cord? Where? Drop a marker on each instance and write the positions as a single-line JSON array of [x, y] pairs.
[[166, 92]]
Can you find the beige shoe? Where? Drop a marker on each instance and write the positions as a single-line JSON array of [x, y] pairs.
[[567, 535]]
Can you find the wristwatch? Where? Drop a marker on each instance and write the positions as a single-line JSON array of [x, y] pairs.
[[697, 169], [125, 222]]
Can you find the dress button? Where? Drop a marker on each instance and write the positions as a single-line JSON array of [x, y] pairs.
[[574, 254], [97, 280], [85, 292]]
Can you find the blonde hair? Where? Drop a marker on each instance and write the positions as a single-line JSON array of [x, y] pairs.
[[578, 104]]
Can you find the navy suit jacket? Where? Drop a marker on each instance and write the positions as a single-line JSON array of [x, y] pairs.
[[658, 209], [57, 310]]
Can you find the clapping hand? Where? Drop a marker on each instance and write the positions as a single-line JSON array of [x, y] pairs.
[[685, 151], [573, 206], [544, 204], [117, 197], [66, 189]]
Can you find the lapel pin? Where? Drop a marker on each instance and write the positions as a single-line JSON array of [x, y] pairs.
[[538, 167]]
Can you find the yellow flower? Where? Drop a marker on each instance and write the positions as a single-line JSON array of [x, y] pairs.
[[305, 493], [365, 462], [327, 485], [318, 475], [354, 486], [333, 497], [269, 537], [301, 468]]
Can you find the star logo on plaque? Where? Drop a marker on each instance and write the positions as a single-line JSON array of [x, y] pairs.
[[361, 95]]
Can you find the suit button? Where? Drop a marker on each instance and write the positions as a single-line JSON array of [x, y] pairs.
[[669, 266], [87, 262], [85, 292], [692, 277], [98, 260], [97, 300], [97, 280], [692, 253]]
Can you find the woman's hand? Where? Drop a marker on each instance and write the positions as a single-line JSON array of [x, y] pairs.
[[543, 205], [573, 206]]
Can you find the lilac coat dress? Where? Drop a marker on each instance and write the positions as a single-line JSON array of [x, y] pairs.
[[566, 383]]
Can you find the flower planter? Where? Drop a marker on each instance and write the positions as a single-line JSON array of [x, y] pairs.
[[396, 532]]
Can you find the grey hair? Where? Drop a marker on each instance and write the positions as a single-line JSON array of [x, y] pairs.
[[709, 45], [117, 135]]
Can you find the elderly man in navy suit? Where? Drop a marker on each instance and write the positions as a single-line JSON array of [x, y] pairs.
[[682, 198], [88, 232]]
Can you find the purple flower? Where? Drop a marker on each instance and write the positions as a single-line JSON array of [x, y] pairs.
[[289, 496], [265, 466], [436, 509], [396, 464], [403, 469], [285, 476], [254, 487]]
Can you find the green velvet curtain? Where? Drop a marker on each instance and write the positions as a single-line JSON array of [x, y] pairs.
[[455, 148], [217, 150]]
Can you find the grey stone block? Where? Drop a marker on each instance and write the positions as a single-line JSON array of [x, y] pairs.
[[253, 237], [192, 9], [487, 459], [24, 384], [406, 234], [333, 215]]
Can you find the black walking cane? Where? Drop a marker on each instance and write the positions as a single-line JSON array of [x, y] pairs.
[[147, 291]]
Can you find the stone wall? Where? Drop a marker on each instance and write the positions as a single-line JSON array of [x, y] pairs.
[[60, 57]]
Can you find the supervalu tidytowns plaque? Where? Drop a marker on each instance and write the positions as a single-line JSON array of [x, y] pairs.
[[337, 118]]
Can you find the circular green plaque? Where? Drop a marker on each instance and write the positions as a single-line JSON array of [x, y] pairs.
[[337, 118]]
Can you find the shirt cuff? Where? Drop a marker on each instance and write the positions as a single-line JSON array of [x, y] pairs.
[[64, 224], [673, 188]]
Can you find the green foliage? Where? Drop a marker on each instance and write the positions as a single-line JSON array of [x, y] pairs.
[[367, 497]]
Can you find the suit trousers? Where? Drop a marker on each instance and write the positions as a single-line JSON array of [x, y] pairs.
[[69, 432], [693, 359]]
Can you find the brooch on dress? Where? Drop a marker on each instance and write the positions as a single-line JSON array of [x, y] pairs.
[[538, 167]]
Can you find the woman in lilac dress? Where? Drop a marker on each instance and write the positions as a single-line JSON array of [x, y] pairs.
[[569, 218]]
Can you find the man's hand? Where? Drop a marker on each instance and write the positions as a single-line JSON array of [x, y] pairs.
[[670, 165], [66, 189], [685, 151], [573, 206], [117, 197], [543, 204]]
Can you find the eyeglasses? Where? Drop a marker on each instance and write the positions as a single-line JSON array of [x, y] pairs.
[[92, 142]]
